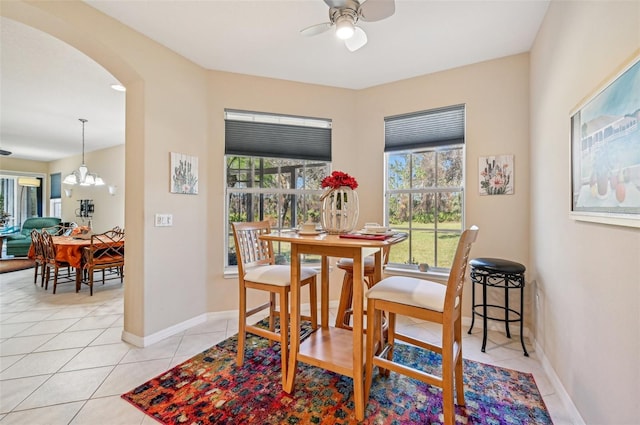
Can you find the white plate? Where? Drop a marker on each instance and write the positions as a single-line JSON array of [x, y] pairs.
[[303, 233], [388, 232]]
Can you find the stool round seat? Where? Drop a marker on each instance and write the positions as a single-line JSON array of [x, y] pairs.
[[500, 274], [347, 264], [497, 265]]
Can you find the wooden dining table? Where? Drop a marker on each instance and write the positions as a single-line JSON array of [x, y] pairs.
[[335, 349], [69, 250]]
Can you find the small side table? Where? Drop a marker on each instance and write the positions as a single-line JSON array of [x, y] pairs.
[[503, 274]]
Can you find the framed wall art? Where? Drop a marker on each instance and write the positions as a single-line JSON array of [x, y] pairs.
[[184, 174], [496, 175], [605, 152]]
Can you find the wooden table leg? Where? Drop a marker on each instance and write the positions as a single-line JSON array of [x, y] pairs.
[[324, 289], [78, 278], [294, 346], [358, 369]]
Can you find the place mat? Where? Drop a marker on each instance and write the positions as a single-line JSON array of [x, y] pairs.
[[368, 237]]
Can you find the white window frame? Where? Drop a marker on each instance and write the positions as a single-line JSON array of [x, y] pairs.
[[410, 267], [232, 269]]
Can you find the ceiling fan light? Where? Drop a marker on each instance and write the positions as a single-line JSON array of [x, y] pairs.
[[344, 28]]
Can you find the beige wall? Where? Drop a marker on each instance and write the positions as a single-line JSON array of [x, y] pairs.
[[588, 277], [495, 94], [23, 165]]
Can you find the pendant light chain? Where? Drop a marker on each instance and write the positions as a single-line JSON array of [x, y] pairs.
[[82, 120]]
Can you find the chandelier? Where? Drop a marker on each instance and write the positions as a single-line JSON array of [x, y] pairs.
[[82, 176]]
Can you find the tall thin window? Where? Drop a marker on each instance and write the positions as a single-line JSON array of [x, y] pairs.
[[424, 164], [55, 195]]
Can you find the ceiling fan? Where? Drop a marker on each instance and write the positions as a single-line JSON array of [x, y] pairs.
[[345, 14]]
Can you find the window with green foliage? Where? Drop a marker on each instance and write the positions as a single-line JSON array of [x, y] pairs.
[[274, 166], [424, 186], [286, 192]]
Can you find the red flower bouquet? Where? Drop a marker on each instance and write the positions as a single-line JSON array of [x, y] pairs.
[[338, 179]]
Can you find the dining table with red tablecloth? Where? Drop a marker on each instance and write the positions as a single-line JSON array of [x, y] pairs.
[[69, 250]]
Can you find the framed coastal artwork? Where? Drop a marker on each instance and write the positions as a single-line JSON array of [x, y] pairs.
[[184, 174], [605, 152], [496, 175]]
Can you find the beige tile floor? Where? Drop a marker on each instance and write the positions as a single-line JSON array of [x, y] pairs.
[[62, 360]]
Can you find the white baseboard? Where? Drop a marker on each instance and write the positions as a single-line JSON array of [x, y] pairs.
[[574, 416], [148, 340], [183, 326]]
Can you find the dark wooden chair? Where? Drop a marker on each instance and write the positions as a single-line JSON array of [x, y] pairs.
[[38, 249], [257, 270], [105, 252], [429, 301], [49, 252]]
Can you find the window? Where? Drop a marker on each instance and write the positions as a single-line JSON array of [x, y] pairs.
[[424, 161], [274, 166], [55, 201], [21, 198]]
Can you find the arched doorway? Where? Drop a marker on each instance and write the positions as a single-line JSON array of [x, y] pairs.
[[71, 32]]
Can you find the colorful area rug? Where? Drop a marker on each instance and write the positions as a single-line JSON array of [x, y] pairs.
[[15, 264], [210, 389]]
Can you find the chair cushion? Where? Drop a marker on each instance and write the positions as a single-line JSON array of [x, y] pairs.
[[278, 275], [410, 291]]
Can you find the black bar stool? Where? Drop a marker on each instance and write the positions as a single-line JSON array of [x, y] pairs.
[[497, 273]]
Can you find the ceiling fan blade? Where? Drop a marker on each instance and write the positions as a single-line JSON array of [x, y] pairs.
[[336, 3], [316, 29], [358, 40], [375, 10]]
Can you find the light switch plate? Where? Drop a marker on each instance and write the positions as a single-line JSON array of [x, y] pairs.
[[164, 220]]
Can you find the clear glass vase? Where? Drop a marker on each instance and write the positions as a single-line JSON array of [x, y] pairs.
[[340, 210]]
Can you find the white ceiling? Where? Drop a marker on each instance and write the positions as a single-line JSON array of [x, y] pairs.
[[47, 85]]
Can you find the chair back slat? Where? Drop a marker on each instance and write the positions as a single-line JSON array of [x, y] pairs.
[[251, 251]]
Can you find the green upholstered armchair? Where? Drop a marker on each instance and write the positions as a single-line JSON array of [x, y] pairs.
[[18, 243]]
